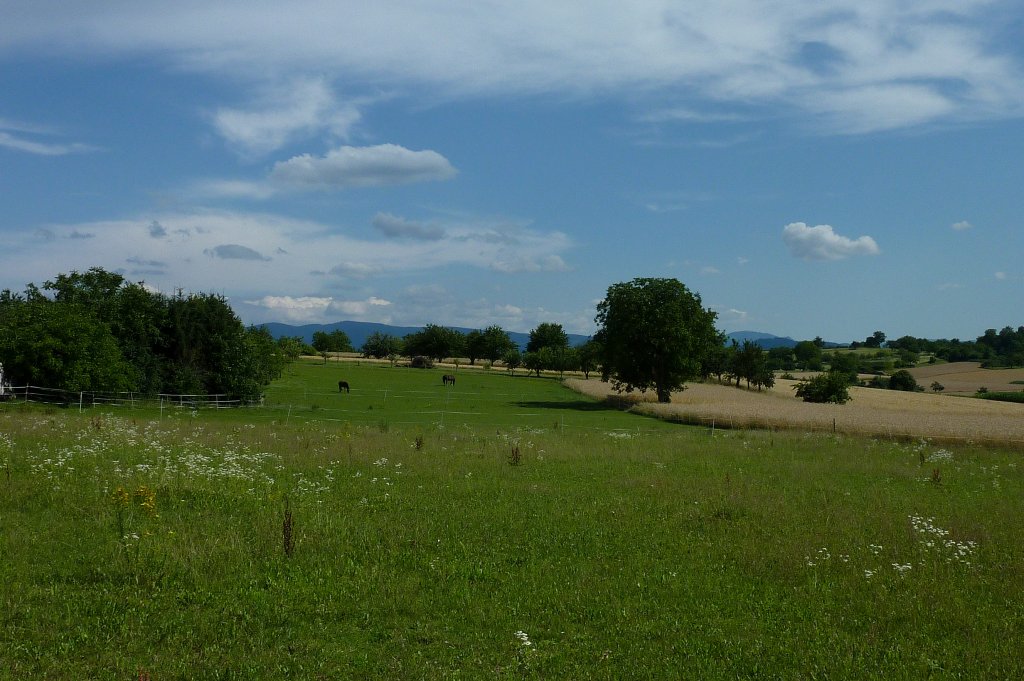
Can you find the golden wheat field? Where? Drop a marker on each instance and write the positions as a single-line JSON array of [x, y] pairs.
[[967, 377], [870, 411]]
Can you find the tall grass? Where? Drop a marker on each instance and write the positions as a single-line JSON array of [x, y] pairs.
[[138, 545]]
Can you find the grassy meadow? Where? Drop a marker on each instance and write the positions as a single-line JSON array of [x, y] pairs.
[[504, 528]]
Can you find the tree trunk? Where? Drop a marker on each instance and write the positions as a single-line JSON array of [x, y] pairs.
[[664, 395]]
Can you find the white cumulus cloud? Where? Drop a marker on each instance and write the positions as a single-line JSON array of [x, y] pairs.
[[374, 166], [821, 242]]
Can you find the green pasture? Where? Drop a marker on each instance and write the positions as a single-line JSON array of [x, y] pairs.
[[383, 396], [406, 531]]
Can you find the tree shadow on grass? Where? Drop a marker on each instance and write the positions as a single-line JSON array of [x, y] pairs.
[[576, 405]]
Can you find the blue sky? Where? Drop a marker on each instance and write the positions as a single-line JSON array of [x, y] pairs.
[[809, 168]]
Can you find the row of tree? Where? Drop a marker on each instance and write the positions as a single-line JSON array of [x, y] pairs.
[[547, 349], [1003, 348], [94, 331]]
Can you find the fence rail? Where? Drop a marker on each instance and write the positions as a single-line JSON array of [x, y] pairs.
[[92, 398], [410, 409]]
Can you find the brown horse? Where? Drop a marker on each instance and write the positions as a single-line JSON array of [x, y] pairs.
[[343, 386], [448, 379]]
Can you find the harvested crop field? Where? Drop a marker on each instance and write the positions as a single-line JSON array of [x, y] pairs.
[[968, 377], [870, 412]]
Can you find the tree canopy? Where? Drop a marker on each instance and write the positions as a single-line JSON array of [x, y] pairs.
[[332, 341], [380, 345], [99, 332], [490, 344], [547, 335], [436, 342], [654, 334]]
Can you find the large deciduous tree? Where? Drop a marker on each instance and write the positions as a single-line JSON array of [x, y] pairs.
[[101, 333], [655, 333], [60, 345], [547, 335], [496, 343], [436, 342], [490, 344], [380, 345], [333, 341]]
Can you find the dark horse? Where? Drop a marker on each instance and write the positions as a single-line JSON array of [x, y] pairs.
[[448, 379], [343, 385]]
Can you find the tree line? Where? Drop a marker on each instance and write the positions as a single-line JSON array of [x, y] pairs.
[[95, 331], [994, 349], [547, 349]]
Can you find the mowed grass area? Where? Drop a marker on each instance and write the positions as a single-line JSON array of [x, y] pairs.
[[293, 542]]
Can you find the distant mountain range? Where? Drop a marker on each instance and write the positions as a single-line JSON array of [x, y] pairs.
[[768, 341], [358, 332]]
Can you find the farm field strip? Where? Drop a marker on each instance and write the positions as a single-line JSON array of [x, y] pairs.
[[217, 544], [870, 412], [968, 377]]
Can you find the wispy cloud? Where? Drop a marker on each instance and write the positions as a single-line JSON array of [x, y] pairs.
[[821, 242], [37, 140], [962, 226], [395, 226], [855, 66], [235, 252], [285, 112], [307, 256]]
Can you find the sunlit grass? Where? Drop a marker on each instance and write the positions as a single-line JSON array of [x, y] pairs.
[[419, 551]]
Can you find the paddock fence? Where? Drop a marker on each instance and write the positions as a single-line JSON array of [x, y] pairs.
[[381, 408], [90, 398]]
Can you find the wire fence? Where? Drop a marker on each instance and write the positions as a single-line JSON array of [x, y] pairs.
[[90, 398], [377, 408]]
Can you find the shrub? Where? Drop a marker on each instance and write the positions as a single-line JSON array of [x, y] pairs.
[[831, 386], [902, 380]]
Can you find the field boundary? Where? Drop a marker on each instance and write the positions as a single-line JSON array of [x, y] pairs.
[[407, 415], [871, 413], [94, 398]]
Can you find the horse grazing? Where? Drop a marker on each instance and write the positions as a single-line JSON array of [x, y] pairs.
[[448, 379], [343, 386]]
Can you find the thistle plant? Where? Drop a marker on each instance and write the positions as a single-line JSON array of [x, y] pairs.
[[514, 457], [286, 530]]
